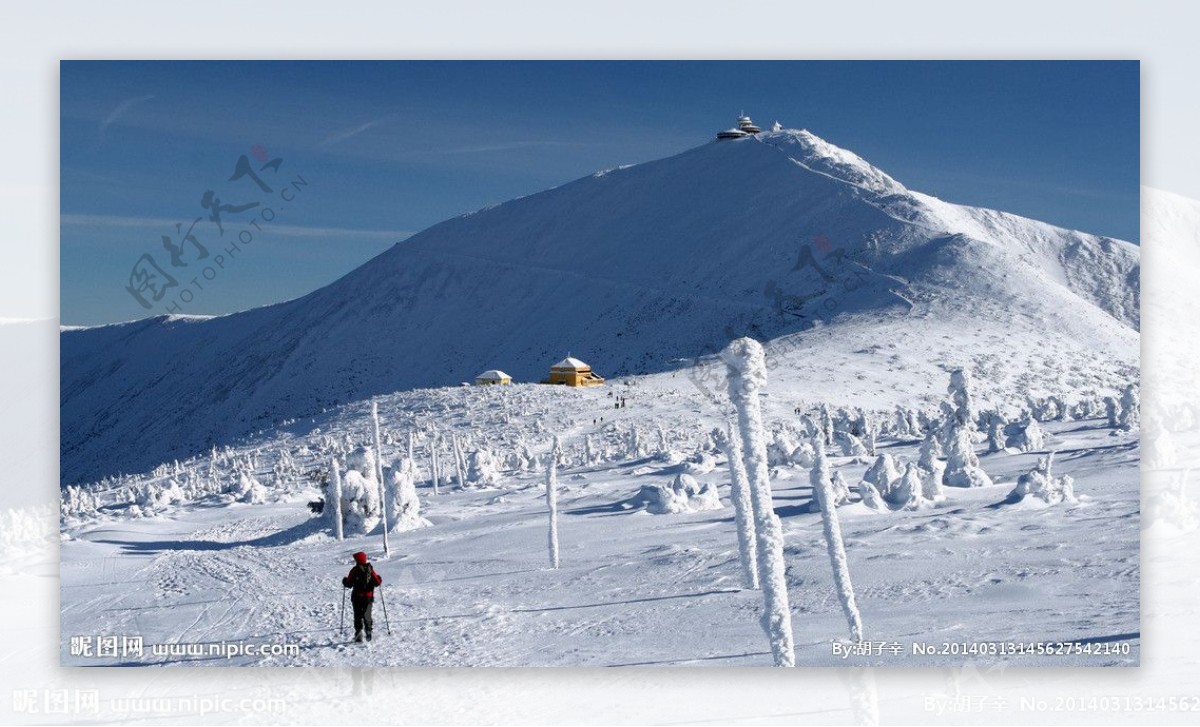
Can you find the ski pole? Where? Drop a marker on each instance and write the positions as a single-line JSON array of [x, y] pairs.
[[342, 625], [383, 601]]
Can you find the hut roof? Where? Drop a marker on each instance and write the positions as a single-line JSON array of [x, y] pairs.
[[493, 374], [571, 363]]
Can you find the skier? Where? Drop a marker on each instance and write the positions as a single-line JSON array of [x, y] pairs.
[[363, 579]]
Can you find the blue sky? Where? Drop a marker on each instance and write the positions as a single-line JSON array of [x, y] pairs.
[[389, 148]]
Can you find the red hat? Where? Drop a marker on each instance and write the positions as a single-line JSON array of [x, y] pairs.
[[360, 557]]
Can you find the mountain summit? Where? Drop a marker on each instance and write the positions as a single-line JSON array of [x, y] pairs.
[[780, 235]]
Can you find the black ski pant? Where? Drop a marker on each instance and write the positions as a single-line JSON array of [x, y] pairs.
[[362, 614]]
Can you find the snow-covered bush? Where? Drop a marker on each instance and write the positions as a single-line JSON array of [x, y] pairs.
[[77, 504], [684, 494], [152, 497], [1025, 435], [779, 451], [851, 445], [249, 490], [870, 496], [699, 463], [1041, 483], [481, 469]]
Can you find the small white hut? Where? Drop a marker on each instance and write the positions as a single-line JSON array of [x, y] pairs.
[[493, 377]]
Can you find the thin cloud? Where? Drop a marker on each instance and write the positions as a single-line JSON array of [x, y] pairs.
[[121, 109], [167, 224], [341, 136]]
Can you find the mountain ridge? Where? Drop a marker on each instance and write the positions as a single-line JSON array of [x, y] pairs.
[[633, 269]]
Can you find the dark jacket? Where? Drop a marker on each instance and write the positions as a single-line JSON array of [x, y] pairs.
[[363, 579]]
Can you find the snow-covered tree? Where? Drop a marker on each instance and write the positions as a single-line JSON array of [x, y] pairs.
[[961, 399], [333, 504], [882, 473], [909, 490], [360, 493], [1113, 411], [460, 463], [962, 464], [825, 423], [1131, 405], [822, 485], [552, 500], [403, 503], [994, 426], [747, 370], [739, 494]]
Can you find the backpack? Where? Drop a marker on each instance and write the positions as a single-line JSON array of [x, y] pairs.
[[363, 582]]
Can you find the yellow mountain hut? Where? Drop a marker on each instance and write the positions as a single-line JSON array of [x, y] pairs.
[[573, 372]]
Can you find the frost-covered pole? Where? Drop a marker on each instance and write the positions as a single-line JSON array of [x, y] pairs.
[[383, 505], [552, 499], [747, 375], [823, 488], [337, 497], [435, 467], [743, 511], [459, 464]]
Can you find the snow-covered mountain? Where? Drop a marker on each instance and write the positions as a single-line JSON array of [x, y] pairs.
[[641, 269]]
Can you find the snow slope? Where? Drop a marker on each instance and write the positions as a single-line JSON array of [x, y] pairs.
[[634, 588], [634, 270]]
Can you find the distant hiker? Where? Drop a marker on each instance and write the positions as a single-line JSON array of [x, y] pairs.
[[362, 579]]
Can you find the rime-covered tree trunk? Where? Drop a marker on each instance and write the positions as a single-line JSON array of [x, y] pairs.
[[383, 503], [336, 476], [747, 375], [823, 488], [459, 465], [552, 500], [435, 472], [743, 510]]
